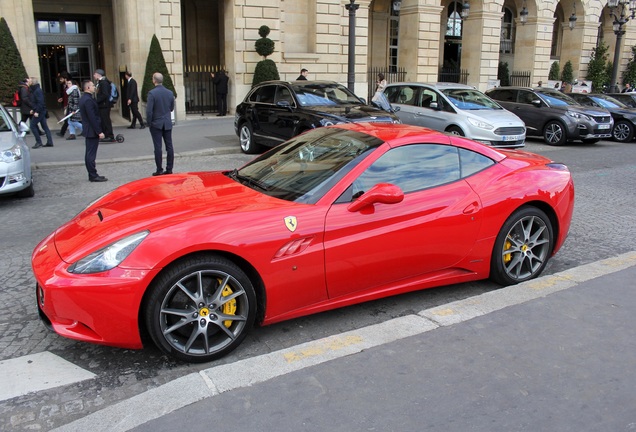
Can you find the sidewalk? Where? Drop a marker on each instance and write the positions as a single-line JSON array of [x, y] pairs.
[[553, 354], [191, 136]]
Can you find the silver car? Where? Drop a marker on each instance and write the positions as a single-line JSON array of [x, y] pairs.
[[458, 109], [15, 159]]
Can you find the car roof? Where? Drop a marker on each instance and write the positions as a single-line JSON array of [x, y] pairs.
[[438, 85], [299, 82]]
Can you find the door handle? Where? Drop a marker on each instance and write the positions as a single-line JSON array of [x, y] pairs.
[[471, 208]]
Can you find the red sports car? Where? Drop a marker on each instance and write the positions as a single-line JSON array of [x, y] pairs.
[[336, 216]]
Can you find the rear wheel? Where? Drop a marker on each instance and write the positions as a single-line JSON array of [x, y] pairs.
[[523, 247], [200, 309], [246, 138], [623, 131], [554, 133], [454, 130]]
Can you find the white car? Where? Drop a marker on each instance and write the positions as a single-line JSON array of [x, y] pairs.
[[15, 159], [458, 109]]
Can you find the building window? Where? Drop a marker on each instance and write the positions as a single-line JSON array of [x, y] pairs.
[[394, 30], [454, 23], [57, 27], [75, 27], [48, 27], [507, 43]]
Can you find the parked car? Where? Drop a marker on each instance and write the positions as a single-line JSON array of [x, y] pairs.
[[15, 159], [274, 111], [623, 116], [336, 216], [628, 98], [458, 109], [554, 115]]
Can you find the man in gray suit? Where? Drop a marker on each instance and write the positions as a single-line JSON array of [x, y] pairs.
[[158, 109]]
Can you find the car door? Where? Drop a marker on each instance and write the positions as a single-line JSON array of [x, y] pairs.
[[433, 228], [433, 111], [405, 97], [274, 118]]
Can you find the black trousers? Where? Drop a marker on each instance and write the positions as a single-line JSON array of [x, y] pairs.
[[157, 136], [90, 155], [221, 103], [134, 108], [107, 125]]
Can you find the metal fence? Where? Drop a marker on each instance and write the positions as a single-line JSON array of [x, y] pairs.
[[391, 75], [199, 90], [454, 75], [520, 78]]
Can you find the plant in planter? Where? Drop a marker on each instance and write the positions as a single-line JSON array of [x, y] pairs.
[[156, 63]]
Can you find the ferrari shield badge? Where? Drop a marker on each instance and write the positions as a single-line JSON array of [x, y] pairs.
[[291, 223]]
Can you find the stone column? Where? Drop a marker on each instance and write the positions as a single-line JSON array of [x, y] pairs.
[[419, 40], [532, 48], [19, 17], [480, 47]]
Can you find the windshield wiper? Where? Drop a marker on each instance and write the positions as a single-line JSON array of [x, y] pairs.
[[248, 181]]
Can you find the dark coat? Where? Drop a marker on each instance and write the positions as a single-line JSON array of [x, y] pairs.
[[132, 92], [220, 80], [102, 93], [91, 122], [37, 100], [25, 100], [159, 106]]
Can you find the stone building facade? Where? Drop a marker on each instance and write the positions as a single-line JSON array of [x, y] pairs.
[[418, 36]]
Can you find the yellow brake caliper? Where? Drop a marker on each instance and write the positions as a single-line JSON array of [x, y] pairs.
[[507, 257], [229, 308]]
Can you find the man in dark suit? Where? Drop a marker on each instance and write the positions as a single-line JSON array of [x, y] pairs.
[[158, 109], [220, 80], [303, 75], [91, 129], [132, 95], [102, 96]]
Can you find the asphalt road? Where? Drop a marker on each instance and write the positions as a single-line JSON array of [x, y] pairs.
[[603, 225]]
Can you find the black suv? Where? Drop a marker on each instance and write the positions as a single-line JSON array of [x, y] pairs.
[[624, 116], [275, 111], [554, 115]]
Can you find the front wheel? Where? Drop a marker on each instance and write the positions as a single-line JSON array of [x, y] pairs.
[[246, 138], [200, 309], [454, 130], [523, 247], [623, 131], [554, 133]]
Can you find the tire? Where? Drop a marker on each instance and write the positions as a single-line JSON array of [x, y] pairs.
[[454, 130], [523, 247], [200, 309], [623, 131], [246, 138], [554, 133], [27, 193]]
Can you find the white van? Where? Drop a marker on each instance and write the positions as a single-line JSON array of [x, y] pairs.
[[458, 109]]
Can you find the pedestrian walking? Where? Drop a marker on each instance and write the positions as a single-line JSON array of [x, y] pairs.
[[63, 78], [220, 81], [38, 113], [132, 96], [26, 107], [75, 120], [160, 105], [303, 75], [102, 96], [92, 130]]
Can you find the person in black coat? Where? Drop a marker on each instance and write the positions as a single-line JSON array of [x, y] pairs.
[[38, 113], [91, 129], [303, 75], [102, 96], [132, 96], [158, 116], [26, 106], [220, 80]]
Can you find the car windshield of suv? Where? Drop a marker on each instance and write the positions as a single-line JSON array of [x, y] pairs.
[[321, 94], [307, 166], [4, 123], [470, 99], [556, 98], [608, 102]]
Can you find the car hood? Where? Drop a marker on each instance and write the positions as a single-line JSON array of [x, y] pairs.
[[625, 112], [156, 203], [496, 117], [7, 140], [355, 113], [590, 111]]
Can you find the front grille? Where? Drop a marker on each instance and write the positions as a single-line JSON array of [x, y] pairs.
[[508, 144], [602, 119], [511, 130]]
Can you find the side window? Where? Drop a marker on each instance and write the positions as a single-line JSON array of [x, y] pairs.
[[284, 95], [526, 97], [471, 162], [503, 95], [264, 94], [427, 97], [412, 168], [404, 95]]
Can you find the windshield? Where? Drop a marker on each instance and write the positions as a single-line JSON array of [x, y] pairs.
[[5, 122], [320, 94], [307, 166], [608, 102], [470, 99], [556, 98]]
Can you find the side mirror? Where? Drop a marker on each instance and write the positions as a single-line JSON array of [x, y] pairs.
[[395, 108], [434, 105], [23, 129], [536, 102], [284, 104], [381, 193]]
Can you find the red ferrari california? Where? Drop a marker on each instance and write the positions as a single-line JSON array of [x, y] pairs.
[[336, 216]]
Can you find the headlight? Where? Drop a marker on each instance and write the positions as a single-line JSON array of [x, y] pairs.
[[480, 124], [109, 257], [578, 115], [11, 155]]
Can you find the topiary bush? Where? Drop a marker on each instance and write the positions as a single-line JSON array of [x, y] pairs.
[[567, 74], [12, 70], [597, 67], [265, 70], [554, 71], [156, 63], [503, 74]]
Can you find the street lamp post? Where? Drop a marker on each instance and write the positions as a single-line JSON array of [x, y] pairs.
[[618, 13], [351, 72]]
